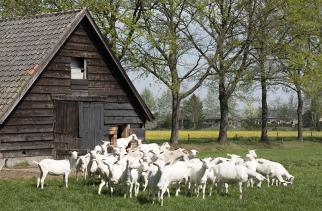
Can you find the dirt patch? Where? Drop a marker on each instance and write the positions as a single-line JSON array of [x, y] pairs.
[[22, 173], [18, 173]]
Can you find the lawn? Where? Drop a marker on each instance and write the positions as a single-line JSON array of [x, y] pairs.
[[302, 159]]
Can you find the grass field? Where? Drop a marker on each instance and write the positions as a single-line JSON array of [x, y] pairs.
[[302, 159]]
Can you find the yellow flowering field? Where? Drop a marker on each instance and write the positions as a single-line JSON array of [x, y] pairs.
[[211, 134]]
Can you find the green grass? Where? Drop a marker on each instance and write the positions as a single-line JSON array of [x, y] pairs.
[[303, 160]]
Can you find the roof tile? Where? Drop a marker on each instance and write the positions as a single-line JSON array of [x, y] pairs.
[[25, 42]]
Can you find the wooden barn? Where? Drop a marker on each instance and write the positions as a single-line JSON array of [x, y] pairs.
[[61, 87]]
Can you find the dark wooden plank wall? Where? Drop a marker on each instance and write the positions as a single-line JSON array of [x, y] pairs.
[[102, 82], [29, 130], [122, 114]]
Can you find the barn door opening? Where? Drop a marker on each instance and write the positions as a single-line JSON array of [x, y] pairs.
[[123, 131], [91, 124]]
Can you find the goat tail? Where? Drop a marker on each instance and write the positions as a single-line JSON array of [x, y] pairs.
[[35, 162]]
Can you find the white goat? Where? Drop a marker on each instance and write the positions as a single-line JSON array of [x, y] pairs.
[[102, 164], [211, 177], [135, 170], [82, 165], [193, 154], [153, 172], [274, 170], [172, 156], [235, 158], [173, 173], [118, 173], [153, 147], [55, 167], [124, 142], [252, 153], [251, 163], [165, 146], [198, 174], [120, 151], [229, 172]]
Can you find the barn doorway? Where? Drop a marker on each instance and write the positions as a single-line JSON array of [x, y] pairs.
[[78, 126], [91, 124], [123, 131]]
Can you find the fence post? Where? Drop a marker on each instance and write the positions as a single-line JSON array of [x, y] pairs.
[[188, 138]]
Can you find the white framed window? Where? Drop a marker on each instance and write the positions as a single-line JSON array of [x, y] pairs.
[[78, 68]]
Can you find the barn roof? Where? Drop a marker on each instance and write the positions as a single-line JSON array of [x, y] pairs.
[[28, 44]]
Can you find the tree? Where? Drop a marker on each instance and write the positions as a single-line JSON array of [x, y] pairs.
[[250, 113], [268, 18], [163, 113], [211, 103], [163, 50], [149, 100], [282, 109], [225, 31], [192, 110], [300, 48], [10, 8], [117, 19], [313, 90]]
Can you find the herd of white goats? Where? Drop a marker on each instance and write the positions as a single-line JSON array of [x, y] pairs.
[[158, 167]]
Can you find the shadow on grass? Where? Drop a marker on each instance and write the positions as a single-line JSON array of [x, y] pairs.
[[145, 199]]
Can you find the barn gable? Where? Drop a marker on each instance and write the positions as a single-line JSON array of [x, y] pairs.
[[47, 111], [28, 44]]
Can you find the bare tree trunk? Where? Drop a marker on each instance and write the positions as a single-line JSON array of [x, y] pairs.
[[194, 123], [224, 109], [299, 115], [264, 136], [263, 81], [175, 118]]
